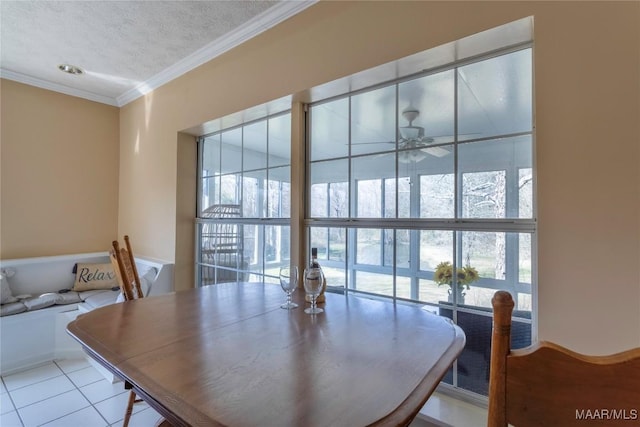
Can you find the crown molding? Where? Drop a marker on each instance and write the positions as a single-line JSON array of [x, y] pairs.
[[56, 87], [257, 25], [260, 23]]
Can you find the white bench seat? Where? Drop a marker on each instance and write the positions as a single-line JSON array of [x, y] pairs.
[[39, 335]]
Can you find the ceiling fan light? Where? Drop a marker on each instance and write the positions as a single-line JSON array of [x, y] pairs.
[[412, 156]]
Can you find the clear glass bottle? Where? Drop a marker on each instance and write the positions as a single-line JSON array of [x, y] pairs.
[[314, 264]]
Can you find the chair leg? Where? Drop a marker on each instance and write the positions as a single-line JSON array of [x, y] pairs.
[[127, 415]]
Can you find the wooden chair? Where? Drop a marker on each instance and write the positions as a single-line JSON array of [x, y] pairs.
[[549, 385], [125, 268], [127, 274]]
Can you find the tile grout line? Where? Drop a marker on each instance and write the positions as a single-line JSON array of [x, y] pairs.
[[30, 384], [54, 419], [75, 386], [93, 405], [15, 409], [83, 395], [62, 373]]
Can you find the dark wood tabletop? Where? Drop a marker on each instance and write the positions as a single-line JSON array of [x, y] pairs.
[[228, 355]]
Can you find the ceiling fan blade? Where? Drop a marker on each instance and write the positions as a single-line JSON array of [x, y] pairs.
[[436, 151], [371, 143], [423, 141]]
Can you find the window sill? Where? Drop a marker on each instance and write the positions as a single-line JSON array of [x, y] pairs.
[[446, 411]]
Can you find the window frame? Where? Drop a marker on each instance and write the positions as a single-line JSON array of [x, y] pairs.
[[458, 225], [262, 221]]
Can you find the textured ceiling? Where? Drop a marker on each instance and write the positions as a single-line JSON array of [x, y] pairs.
[[126, 48]]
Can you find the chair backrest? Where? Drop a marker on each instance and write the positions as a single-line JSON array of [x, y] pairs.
[[549, 385], [126, 271]]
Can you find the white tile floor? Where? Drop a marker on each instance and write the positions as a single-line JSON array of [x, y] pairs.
[[67, 393], [71, 393]]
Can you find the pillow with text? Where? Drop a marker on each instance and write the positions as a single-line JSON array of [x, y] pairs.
[[94, 276]]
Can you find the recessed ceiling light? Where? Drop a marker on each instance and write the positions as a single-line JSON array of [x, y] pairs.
[[71, 69]]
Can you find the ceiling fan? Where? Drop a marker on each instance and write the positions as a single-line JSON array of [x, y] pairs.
[[412, 137], [412, 141]]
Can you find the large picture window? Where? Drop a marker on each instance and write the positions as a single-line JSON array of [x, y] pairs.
[[422, 190], [244, 201], [417, 191]]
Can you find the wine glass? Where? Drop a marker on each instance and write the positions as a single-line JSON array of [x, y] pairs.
[[289, 282], [313, 281]]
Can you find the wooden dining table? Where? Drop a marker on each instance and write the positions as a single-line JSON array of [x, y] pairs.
[[228, 355]]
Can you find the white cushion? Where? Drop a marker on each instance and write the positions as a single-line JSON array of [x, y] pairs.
[[42, 301], [66, 297], [12, 308], [146, 280], [87, 294], [6, 296], [100, 299]]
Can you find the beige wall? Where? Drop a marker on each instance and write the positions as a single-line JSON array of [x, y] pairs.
[[587, 67], [59, 173], [186, 211]]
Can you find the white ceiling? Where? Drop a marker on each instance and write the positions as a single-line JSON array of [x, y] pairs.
[[126, 48]]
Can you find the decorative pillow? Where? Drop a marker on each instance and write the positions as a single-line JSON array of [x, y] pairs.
[[146, 280], [94, 276], [6, 296]]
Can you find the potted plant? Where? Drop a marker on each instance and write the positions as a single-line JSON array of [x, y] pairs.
[[464, 276]]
